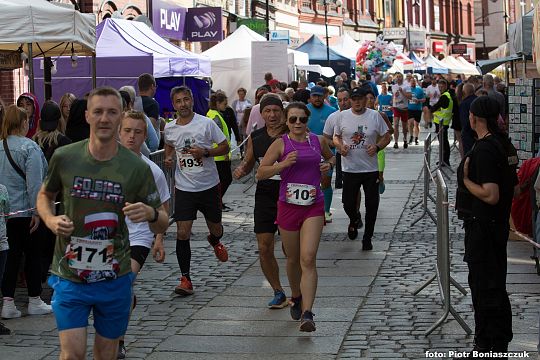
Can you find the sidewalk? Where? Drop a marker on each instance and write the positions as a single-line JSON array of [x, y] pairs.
[[364, 307]]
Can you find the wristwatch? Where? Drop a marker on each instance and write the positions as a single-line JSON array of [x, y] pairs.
[[156, 216], [206, 153]]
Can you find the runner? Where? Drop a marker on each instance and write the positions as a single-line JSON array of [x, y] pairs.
[[266, 193], [401, 93], [433, 93], [415, 110], [319, 112], [101, 183], [296, 156], [356, 136], [190, 139], [133, 132]]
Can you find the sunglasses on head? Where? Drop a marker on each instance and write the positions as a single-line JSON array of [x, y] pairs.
[[303, 119]]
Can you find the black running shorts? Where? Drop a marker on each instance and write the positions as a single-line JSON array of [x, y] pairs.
[[208, 202], [139, 254], [265, 211]]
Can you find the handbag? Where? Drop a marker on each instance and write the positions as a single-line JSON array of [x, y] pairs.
[[12, 162]]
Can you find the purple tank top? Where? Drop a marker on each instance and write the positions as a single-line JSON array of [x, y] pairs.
[[304, 176]]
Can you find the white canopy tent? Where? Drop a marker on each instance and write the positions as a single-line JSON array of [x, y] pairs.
[[453, 65], [231, 61], [346, 46], [472, 70], [436, 66], [41, 28]]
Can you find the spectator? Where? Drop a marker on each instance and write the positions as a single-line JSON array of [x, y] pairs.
[[467, 134], [268, 77], [29, 103], [49, 137], [4, 209], [147, 90], [77, 128], [255, 118], [489, 86], [65, 105], [239, 105], [302, 94]]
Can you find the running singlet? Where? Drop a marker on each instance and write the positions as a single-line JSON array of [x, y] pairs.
[[94, 194], [385, 104], [300, 183]]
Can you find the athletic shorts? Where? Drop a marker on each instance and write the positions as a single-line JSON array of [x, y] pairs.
[[265, 210], [290, 217], [139, 254], [416, 115], [208, 202], [109, 301], [400, 113]]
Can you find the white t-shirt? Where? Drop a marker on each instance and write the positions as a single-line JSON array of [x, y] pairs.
[[398, 99], [433, 93], [359, 131], [139, 233], [191, 174], [330, 124]]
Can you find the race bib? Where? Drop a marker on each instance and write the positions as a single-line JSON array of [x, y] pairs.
[[385, 107], [189, 164], [300, 194], [90, 254]]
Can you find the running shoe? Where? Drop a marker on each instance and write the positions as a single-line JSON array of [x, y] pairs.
[[4, 330], [367, 245], [396, 146], [10, 311], [279, 301], [405, 145], [121, 350], [221, 252], [36, 306], [382, 187], [328, 217], [306, 322], [185, 287], [225, 208], [416, 141], [352, 231], [296, 307]]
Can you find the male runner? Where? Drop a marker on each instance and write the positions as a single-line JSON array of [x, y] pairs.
[[401, 93], [190, 138], [102, 182], [133, 132], [415, 110], [266, 194]]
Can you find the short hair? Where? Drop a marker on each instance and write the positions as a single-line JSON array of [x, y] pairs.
[[135, 115], [268, 76], [130, 90], [488, 80], [241, 89], [442, 81], [217, 97], [180, 89], [145, 82], [343, 89], [13, 120], [105, 91]]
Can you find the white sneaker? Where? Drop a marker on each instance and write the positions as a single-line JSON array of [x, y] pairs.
[[36, 306], [9, 310]]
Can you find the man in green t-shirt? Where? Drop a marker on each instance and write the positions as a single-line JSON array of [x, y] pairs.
[[101, 182]]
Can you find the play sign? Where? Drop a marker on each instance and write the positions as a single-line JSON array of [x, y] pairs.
[[168, 19]]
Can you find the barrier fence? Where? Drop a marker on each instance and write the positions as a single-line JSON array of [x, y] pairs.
[[442, 265], [426, 169], [440, 165]]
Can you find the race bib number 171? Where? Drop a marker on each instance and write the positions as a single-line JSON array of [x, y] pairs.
[[90, 254]]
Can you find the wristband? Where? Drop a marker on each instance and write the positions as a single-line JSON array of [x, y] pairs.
[[206, 153], [156, 216]]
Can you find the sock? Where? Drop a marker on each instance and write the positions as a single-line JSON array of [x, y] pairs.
[[213, 239], [328, 193], [416, 138], [183, 255]]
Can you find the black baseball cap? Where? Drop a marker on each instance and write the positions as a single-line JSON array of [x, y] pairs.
[[359, 91]]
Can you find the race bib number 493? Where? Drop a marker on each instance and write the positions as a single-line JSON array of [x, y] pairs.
[[189, 164], [90, 254], [301, 194]]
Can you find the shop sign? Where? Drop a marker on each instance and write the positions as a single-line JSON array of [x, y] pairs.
[[458, 49], [438, 47], [204, 24], [257, 25], [394, 33], [10, 60], [168, 19], [280, 36], [418, 40]]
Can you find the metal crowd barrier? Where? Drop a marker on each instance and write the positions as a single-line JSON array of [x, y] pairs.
[[427, 180], [158, 157], [442, 265], [440, 165]]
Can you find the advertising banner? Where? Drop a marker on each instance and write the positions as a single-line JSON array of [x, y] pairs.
[[394, 33], [204, 24], [168, 19], [10, 60], [257, 25], [418, 40]]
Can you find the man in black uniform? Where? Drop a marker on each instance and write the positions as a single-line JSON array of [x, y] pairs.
[[266, 194], [485, 190]]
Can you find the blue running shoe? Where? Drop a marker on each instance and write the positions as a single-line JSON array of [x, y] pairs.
[[306, 322], [296, 307], [279, 301]]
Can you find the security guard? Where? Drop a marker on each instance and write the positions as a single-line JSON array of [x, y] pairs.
[[442, 114]]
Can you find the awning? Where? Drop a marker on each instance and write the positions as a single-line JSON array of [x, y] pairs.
[[323, 70], [486, 66]]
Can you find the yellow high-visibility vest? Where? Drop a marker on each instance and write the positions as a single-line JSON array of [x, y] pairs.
[[444, 114], [212, 114]]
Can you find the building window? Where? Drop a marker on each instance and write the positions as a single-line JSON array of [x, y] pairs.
[[469, 19], [460, 18], [436, 16], [389, 13]]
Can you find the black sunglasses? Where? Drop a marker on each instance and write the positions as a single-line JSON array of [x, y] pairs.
[[303, 119]]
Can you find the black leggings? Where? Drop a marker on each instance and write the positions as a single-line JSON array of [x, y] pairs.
[[444, 142], [21, 241], [225, 176], [351, 187]]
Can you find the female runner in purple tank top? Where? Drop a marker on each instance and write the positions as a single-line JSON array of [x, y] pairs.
[[298, 157]]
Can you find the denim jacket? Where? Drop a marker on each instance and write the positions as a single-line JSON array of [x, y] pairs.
[[29, 157]]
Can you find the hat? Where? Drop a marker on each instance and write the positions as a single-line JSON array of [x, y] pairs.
[[359, 91], [485, 107], [338, 78], [50, 115], [270, 99], [310, 85], [317, 90]]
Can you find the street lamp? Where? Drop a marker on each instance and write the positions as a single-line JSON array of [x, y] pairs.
[[414, 5], [483, 17], [325, 4]]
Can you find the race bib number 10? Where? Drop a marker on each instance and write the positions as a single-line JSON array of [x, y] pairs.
[[301, 194], [189, 164], [90, 254]]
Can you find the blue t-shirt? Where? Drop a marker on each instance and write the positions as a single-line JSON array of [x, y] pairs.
[[385, 104], [318, 117], [417, 94]]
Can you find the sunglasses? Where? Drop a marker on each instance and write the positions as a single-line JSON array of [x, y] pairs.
[[303, 119]]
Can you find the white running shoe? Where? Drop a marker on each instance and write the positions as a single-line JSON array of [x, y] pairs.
[[9, 310], [36, 306]]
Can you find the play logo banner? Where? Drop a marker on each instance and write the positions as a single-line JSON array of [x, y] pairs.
[[204, 24], [168, 19]]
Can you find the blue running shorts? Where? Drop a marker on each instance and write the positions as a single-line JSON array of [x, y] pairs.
[[110, 301]]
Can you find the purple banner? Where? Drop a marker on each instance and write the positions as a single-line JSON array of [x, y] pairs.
[[204, 24], [168, 19]]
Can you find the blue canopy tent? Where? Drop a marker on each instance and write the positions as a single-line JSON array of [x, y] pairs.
[[317, 55], [418, 65], [434, 66]]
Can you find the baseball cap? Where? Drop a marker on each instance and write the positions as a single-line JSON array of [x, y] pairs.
[[317, 90], [50, 115], [359, 91]]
